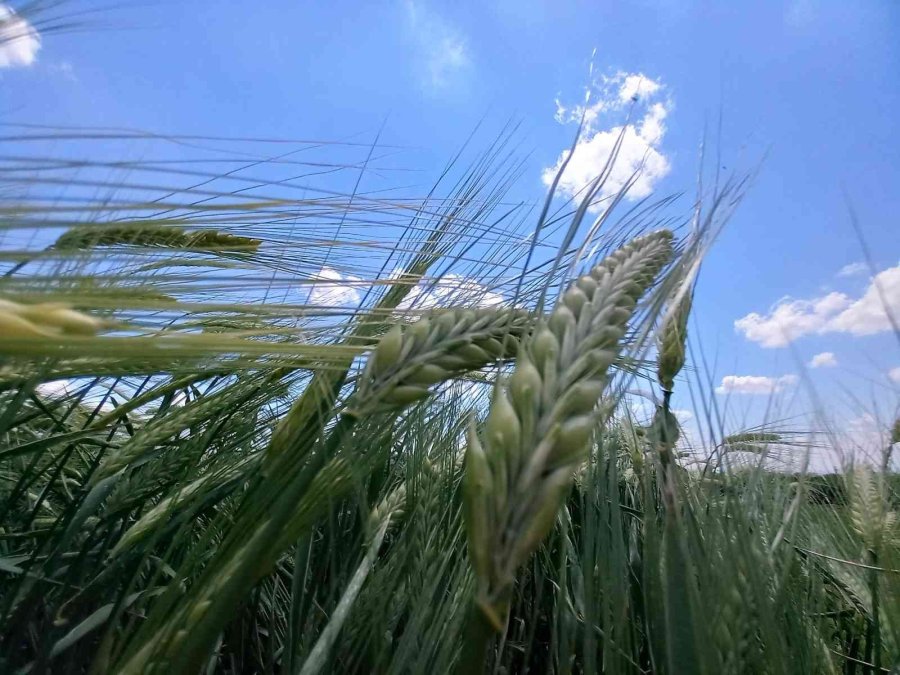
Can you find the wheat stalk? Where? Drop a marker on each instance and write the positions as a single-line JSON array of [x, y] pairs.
[[380, 520], [539, 424]]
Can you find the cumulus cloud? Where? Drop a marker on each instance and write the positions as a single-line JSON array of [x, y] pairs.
[[62, 389], [636, 85], [791, 319], [894, 374], [443, 52], [823, 360], [832, 313], [863, 439], [853, 269], [19, 41], [640, 152], [872, 313], [682, 415], [754, 384], [56, 388], [451, 289], [334, 289]]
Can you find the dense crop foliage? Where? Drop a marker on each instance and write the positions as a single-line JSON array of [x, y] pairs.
[[253, 425]]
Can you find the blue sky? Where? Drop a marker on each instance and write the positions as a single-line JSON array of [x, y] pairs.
[[814, 86]]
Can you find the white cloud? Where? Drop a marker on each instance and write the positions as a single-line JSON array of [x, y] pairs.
[[754, 384], [853, 269], [870, 314], [333, 289], [832, 313], [636, 85], [62, 389], [443, 53], [791, 319], [333, 292], [451, 289], [863, 439], [19, 41], [56, 388], [682, 415], [640, 151], [823, 360], [894, 374]]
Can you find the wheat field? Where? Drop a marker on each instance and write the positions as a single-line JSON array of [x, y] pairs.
[[209, 465]]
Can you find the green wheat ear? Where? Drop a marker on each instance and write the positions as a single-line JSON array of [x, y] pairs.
[[409, 360], [151, 235], [673, 338], [541, 420], [664, 429], [45, 320]]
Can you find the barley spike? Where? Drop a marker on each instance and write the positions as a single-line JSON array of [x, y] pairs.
[[541, 419]]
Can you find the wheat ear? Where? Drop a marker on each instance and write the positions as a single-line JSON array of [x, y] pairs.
[[672, 340], [672, 350], [152, 235], [445, 344], [45, 320], [540, 423]]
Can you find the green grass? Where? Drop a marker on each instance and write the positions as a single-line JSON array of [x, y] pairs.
[[227, 487]]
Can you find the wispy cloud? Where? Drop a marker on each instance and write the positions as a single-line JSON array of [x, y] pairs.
[[853, 269], [19, 41], [894, 374], [443, 53], [754, 384], [832, 313], [640, 157], [823, 360], [64, 69]]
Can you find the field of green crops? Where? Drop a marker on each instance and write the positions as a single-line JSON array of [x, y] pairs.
[[212, 462]]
